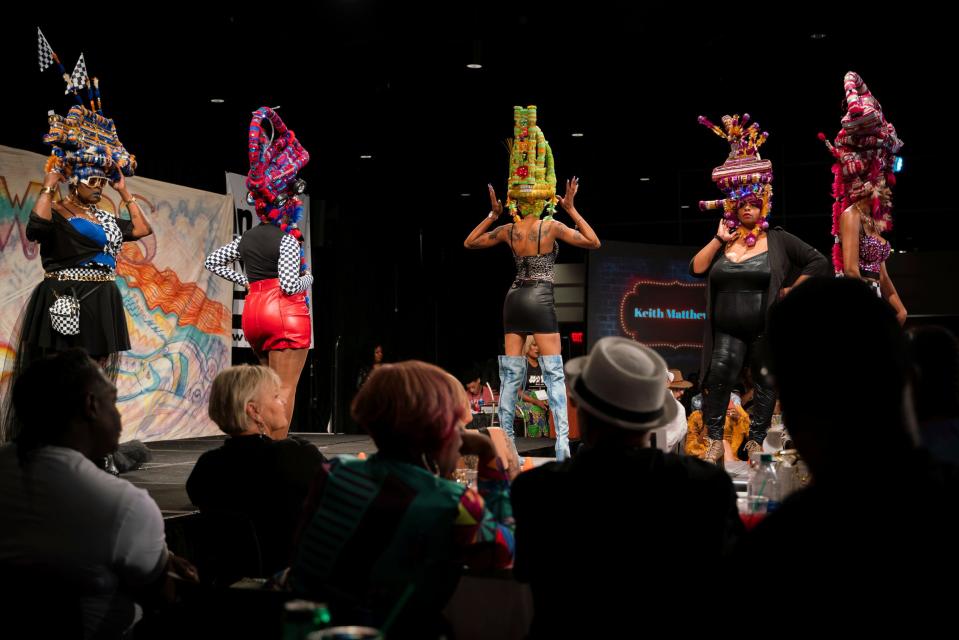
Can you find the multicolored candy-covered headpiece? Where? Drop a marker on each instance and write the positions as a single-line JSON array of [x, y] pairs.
[[532, 175], [272, 181], [274, 163], [84, 143], [745, 177], [864, 149]]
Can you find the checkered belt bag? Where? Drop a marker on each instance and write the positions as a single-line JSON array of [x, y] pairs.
[[65, 312]]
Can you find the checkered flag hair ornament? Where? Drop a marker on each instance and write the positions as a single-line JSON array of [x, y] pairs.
[[47, 56], [79, 76], [45, 51]]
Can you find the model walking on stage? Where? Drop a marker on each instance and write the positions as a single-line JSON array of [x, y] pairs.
[[78, 303], [748, 266], [529, 308], [865, 149], [276, 314]]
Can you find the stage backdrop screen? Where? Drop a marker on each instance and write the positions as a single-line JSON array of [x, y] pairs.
[[644, 292]]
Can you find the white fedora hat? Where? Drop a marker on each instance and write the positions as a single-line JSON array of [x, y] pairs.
[[623, 383]]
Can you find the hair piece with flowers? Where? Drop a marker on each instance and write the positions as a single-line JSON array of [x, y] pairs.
[[744, 177], [864, 150], [531, 186]]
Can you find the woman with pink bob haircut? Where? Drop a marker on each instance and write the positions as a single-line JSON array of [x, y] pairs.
[[389, 535]]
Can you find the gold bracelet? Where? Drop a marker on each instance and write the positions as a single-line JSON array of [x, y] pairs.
[[48, 190], [127, 203]]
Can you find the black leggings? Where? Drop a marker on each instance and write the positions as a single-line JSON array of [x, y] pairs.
[[729, 356]]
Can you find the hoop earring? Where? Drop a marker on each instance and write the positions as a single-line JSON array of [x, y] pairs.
[[434, 468]]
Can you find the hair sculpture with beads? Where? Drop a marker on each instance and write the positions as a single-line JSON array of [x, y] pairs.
[[84, 143], [272, 182], [744, 177], [531, 186], [864, 150]]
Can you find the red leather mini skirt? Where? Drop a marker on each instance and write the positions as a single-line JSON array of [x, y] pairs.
[[273, 320]]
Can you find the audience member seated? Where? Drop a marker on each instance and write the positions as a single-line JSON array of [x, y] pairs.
[[481, 400], [618, 536], [935, 353], [672, 437], [96, 540], [253, 477], [874, 532], [388, 535], [532, 406]]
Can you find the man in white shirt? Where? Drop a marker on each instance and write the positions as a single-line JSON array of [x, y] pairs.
[[60, 515]]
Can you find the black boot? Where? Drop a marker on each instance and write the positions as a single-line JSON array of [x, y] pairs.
[[760, 416], [715, 401]]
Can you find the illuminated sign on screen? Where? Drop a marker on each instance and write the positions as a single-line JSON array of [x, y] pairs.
[[660, 313]]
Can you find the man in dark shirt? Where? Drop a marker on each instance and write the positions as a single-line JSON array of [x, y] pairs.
[[606, 536]]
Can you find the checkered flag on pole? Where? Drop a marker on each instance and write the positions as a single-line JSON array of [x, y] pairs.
[[47, 56], [79, 76]]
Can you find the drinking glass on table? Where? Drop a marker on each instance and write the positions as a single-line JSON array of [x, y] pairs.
[[752, 509]]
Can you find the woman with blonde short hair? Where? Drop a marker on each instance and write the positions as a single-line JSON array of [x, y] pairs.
[[258, 473]]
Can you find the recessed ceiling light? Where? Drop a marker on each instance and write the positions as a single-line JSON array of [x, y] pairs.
[[217, 100], [465, 195], [365, 157], [474, 65], [817, 36], [644, 179], [684, 206], [577, 135]]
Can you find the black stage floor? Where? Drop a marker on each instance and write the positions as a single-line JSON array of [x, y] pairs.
[[165, 475]]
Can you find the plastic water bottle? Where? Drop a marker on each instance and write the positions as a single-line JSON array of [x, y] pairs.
[[765, 482]]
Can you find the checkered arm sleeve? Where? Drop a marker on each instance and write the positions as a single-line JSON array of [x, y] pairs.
[[217, 263], [288, 267]]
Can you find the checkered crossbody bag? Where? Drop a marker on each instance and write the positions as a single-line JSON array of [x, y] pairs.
[[65, 312]]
